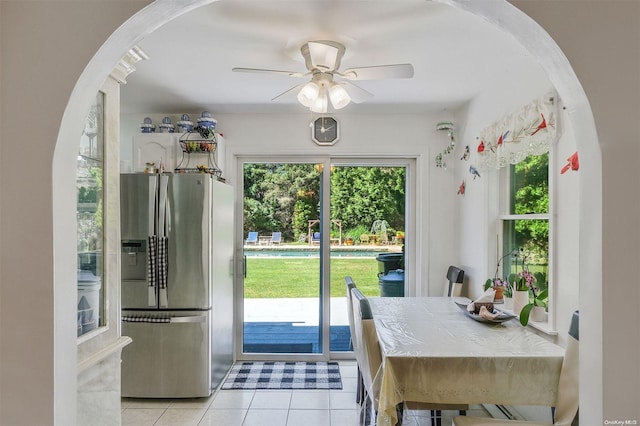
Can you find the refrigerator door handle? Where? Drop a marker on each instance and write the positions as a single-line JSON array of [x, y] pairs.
[[154, 319], [190, 319], [162, 206], [163, 261], [152, 204]]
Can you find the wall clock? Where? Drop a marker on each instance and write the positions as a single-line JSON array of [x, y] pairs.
[[324, 130]]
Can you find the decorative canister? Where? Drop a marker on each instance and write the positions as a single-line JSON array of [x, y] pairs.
[[185, 124], [147, 126], [166, 126], [207, 121]]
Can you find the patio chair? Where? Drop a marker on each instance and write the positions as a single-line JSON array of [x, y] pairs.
[[276, 237], [252, 238], [315, 238], [566, 412]]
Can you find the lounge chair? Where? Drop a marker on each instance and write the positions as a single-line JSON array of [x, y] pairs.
[[252, 238], [276, 237], [315, 238]]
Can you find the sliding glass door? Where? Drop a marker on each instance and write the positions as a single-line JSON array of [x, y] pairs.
[[305, 227]]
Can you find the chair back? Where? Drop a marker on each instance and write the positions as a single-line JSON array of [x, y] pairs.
[[276, 237], [252, 237], [350, 285], [368, 353], [455, 276], [568, 385]]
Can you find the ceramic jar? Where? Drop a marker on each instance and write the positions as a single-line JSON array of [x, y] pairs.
[[520, 300]]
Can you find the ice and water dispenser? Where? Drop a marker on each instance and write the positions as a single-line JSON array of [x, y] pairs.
[[134, 260]]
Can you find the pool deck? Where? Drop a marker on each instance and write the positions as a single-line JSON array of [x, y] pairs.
[[302, 310]]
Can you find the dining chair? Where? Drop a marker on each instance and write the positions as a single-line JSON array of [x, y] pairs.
[[565, 413], [455, 276], [359, 385], [367, 351]]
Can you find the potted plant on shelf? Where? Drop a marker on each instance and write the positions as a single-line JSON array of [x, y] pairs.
[[501, 286], [537, 306]]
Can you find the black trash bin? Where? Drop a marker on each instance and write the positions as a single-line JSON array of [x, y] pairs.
[[389, 262], [392, 284]]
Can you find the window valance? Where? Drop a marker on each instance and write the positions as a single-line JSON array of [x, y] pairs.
[[529, 131]]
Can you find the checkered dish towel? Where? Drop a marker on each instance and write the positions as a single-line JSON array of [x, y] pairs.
[[152, 270], [163, 267]]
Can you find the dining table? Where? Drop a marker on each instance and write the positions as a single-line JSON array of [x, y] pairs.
[[435, 352]]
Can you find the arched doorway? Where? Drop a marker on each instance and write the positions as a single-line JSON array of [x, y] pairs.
[[510, 19]]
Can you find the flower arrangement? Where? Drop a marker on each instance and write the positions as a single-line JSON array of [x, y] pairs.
[[499, 283], [538, 286], [534, 283]]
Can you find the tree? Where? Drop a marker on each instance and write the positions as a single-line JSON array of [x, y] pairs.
[[284, 197], [531, 195], [362, 195]]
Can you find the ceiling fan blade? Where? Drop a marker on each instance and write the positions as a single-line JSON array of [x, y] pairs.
[[356, 93], [262, 71], [379, 72], [290, 93]]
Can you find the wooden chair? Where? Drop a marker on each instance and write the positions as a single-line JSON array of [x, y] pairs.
[[567, 409]]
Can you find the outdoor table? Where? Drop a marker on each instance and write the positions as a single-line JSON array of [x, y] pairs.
[[434, 352]]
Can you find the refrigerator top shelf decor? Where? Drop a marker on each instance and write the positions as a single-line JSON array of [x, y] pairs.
[[204, 147]]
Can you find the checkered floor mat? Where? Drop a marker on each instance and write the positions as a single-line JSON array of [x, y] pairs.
[[284, 375]]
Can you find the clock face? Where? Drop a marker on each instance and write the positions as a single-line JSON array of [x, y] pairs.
[[324, 131]]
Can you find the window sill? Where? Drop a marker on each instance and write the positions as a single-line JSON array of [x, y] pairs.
[[544, 327]]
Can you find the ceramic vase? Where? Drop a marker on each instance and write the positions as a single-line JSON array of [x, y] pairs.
[[538, 314], [520, 300], [508, 302]]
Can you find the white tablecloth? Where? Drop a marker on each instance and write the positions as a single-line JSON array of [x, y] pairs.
[[433, 352]]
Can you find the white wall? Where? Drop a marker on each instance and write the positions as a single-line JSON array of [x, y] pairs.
[[37, 365]]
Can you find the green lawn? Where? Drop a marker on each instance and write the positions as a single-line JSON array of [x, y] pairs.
[[299, 277]]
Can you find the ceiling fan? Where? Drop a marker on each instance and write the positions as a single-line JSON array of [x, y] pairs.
[[322, 59]]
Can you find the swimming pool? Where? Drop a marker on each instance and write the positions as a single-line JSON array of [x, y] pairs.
[[312, 252]]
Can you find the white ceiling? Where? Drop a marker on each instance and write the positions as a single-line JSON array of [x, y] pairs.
[[455, 55]]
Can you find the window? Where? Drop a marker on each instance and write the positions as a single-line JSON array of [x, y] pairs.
[[526, 221], [89, 177]]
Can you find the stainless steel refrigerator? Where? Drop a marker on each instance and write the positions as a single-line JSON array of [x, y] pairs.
[[177, 284]]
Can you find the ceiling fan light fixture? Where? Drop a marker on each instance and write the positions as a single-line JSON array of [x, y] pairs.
[[339, 96], [308, 94]]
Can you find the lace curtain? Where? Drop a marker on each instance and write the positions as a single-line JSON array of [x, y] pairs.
[[529, 131]]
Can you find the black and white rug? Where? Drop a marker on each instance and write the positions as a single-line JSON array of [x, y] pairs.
[[284, 375]]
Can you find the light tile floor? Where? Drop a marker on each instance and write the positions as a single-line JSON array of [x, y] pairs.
[[266, 408]]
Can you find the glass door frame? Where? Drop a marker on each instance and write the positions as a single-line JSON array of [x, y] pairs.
[[411, 194]]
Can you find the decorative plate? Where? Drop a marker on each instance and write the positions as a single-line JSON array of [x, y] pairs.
[[502, 318]]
